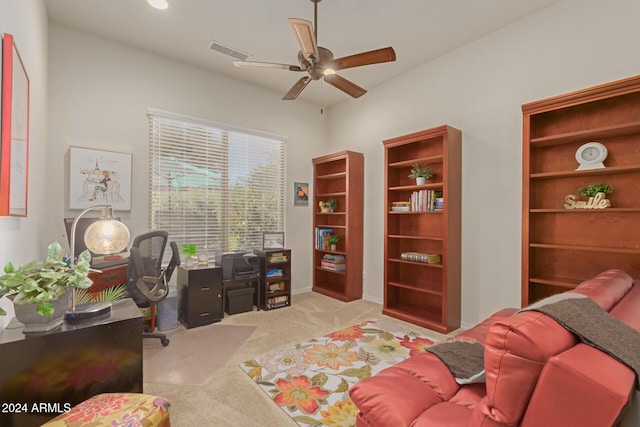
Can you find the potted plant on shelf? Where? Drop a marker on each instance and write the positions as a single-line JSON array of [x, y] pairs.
[[333, 241], [594, 189], [40, 290], [329, 206], [189, 251], [420, 173]]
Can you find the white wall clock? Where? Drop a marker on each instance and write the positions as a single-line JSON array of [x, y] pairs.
[[591, 156]]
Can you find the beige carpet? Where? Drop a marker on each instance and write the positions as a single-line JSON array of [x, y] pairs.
[[194, 355], [230, 398]]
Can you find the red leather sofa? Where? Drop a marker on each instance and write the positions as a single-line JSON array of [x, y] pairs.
[[537, 374]]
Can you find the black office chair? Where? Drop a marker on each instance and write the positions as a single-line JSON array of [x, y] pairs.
[[147, 281]]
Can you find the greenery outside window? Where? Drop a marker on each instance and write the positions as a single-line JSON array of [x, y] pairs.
[[214, 185]]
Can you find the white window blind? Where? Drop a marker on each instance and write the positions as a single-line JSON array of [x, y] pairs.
[[213, 185]]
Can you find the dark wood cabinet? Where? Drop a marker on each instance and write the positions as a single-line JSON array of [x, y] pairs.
[[339, 176], [563, 247], [422, 229], [199, 295], [69, 364], [275, 278]]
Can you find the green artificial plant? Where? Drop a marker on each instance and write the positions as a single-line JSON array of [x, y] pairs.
[[331, 204], [333, 239], [418, 170], [39, 282], [189, 250], [592, 190]]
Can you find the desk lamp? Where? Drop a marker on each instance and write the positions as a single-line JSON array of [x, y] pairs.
[[104, 237]]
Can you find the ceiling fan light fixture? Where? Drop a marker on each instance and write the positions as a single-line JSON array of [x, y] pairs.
[[159, 4], [329, 71]]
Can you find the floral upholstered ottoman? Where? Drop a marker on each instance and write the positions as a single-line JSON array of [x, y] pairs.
[[116, 409]]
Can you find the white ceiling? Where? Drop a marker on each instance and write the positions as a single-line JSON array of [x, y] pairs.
[[418, 30]]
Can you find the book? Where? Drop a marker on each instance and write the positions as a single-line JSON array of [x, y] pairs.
[[274, 272], [322, 237]]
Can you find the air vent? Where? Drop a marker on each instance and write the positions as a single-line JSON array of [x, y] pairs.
[[226, 50]]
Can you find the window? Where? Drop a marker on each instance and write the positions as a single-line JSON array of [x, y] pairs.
[[213, 185]]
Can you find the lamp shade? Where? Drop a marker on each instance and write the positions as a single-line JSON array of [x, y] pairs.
[[106, 236]]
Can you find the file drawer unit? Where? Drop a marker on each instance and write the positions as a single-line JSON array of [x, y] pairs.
[[200, 295]]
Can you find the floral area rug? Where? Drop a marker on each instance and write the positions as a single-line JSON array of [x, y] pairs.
[[310, 380]]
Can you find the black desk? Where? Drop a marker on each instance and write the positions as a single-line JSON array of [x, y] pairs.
[[69, 364]]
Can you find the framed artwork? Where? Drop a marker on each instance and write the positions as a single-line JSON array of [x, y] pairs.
[[300, 193], [99, 177], [14, 141]]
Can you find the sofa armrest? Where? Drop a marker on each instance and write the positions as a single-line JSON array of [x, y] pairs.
[[581, 386]]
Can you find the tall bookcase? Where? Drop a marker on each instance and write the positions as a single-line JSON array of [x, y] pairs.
[[339, 176], [562, 247], [426, 294]]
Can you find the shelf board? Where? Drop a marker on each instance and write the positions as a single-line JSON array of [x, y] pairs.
[[560, 282], [336, 194], [435, 185], [331, 226], [410, 237], [331, 213], [417, 287], [333, 294], [421, 264], [416, 316], [420, 160], [571, 174], [583, 135], [586, 248], [340, 273], [578, 211], [439, 211], [337, 175]]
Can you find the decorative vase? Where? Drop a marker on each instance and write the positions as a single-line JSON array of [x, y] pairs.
[[421, 180], [333, 247], [33, 322]]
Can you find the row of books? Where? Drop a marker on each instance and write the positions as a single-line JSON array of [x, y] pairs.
[[426, 200], [333, 262], [277, 257], [423, 200], [322, 238], [274, 272], [276, 287], [420, 257], [276, 302]]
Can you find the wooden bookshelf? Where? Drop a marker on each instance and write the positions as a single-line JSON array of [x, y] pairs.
[[426, 294], [339, 176], [561, 247]]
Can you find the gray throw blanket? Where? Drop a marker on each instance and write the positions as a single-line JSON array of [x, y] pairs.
[[597, 328], [465, 359]]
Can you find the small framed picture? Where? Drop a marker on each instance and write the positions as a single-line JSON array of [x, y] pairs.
[[300, 193], [273, 240]]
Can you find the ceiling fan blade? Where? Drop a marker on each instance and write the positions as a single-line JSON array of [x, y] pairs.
[[255, 64], [303, 31], [377, 56], [345, 85], [297, 88]]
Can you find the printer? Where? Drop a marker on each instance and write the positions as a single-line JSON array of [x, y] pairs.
[[239, 265]]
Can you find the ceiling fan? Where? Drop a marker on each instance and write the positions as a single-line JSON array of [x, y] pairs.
[[319, 62]]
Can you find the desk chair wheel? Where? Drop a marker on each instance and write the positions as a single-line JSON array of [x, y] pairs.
[[165, 341]]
